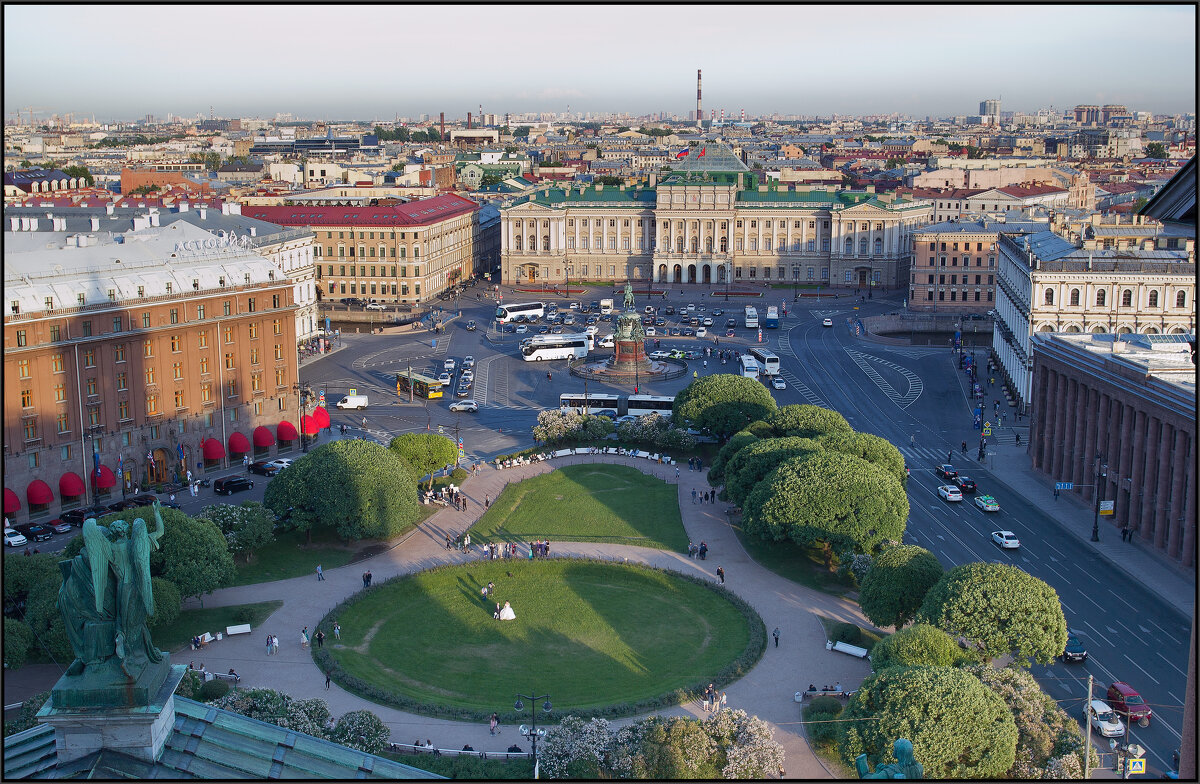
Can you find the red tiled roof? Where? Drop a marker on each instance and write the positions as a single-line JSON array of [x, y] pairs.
[[415, 213], [945, 193], [1030, 190]]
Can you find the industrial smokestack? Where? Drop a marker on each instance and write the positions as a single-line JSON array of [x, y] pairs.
[[468, 121], [699, 109], [443, 127]]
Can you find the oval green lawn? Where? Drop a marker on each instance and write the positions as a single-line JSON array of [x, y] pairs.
[[593, 502], [588, 633]]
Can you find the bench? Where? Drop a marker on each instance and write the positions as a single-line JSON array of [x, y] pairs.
[[205, 639], [222, 675], [563, 453], [239, 629], [803, 695], [845, 647]]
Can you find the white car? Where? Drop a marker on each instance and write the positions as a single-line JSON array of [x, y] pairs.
[[574, 305], [1006, 539], [445, 379], [659, 354], [465, 405], [468, 361], [1104, 720], [374, 306], [708, 322], [522, 329], [701, 332], [280, 463], [448, 366], [987, 503], [691, 308], [467, 375], [650, 331], [778, 382], [827, 323], [14, 538], [950, 493], [648, 309], [626, 418]]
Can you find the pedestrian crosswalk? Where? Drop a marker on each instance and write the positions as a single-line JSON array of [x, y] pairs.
[[810, 397]]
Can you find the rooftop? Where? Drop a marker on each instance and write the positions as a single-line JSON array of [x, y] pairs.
[[415, 213]]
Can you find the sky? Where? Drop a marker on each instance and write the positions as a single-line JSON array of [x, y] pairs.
[[383, 62]]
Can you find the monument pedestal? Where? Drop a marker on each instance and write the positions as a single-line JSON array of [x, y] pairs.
[[139, 730]]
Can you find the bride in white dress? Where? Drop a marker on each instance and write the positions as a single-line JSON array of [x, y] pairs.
[[507, 614]]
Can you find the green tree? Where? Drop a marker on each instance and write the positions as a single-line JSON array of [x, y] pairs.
[[80, 171], [893, 588], [362, 730], [958, 727], [18, 639], [723, 403], [740, 439], [872, 448], [25, 573], [425, 452], [246, 526], [27, 718], [376, 494], [46, 623], [919, 644], [828, 497], [1156, 150], [1001, 608], [893, 162], [609, 179], [807, 421], [750, 465], [167, 602], [489, 180], [521, 131], [1139, 203], [675, 747]]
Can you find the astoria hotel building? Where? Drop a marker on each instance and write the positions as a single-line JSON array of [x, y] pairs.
[[708, 221]]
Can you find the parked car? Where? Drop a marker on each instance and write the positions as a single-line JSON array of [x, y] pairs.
[[692, 353], [718, 312], [965, 483], [708, 322], [1006, 539], [263, 467], [59, 526], [374, 306], [778, 382], [949, 493], [522, 329], [472, 326], [543, 330], [1126, 701], [1074, 650], [556, 330], [36, 531], [945, 471], [659, 354], [702, 333], [626, 418], [987, 503], [76, 516], [1102, 719], [121, 506], [280, 463], [464, 405], [688, 332], [228, 485], [669, 310], [660, 322], [143, 499], [14, 538], [509, 328]]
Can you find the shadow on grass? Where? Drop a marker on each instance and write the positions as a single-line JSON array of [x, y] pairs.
[[803, 565], [178, 635]]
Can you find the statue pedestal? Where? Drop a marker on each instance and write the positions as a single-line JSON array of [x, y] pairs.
[[139, 729]]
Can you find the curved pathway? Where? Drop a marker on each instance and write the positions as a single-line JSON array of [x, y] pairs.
[[766, 691]]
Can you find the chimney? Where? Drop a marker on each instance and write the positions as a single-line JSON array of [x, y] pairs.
[[153, 217], [110, 208], [14, 224], [203, 214], [253, 231], [235, 208], [33, 224], [442, 132], [699, 109], [183, 206], [468, 121], [95, 224]]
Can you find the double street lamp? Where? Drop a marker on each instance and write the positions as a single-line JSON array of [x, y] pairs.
[[533, 733], [1101, 474]]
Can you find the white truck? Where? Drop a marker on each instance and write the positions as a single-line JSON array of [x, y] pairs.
[[606, 307], [352, 402]]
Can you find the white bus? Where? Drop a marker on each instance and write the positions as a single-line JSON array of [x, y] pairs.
[[749, 366], [506, 313], [751, 317], [641, 405], [542, 347], [768, 361], [588, 404]]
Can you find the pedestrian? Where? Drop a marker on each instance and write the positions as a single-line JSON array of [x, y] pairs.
[[326, 681], [912, 440], [364, 574], [370, 577], [676, 472], [775, 634], [487, 502], [1126, 534], [337, 630], [724, 700], [703, 551], [320, 638], [949, 455], [721, 575], [493, 722], [268, 645], [320, 573], [1018, 439], [694, 494], [304, 637], [964, 447], [1055, 488], [691, 550]]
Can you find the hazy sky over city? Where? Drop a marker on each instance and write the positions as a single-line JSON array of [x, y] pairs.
[[380, 62]]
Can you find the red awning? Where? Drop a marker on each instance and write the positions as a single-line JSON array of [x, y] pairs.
[[70, 484], [263, 436], [286, 431], [238, 443], [106, 477], [39, 492], [12, 503], [308, 425], [321, 416], [212, 449]]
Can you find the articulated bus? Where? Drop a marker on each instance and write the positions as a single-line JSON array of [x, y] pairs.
[[751, 317], [768, 361], [414, 383], [771, 319], [637, 405], [506, 313], [541, 347], [749, 366]]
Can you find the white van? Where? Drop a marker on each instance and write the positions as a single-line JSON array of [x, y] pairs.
[[353, 402], [606, 306], [606, 342]]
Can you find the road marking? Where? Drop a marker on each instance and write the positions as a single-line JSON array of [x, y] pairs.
[[785, 347], [1168, 661], [1097, 633], [481, 379], [1085, 596], [1052, 547], [915, 384], [1135, 664]]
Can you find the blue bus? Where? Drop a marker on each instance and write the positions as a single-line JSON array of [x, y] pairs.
[[771, 320]]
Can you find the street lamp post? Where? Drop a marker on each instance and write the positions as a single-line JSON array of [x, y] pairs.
[[1101, 473], [303, 394], [532, 732]]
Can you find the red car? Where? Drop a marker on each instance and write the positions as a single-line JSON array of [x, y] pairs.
[[1126, 701]]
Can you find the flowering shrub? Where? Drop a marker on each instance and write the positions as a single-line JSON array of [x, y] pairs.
[[362, 730]]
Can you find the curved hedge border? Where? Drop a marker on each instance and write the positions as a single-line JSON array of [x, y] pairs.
[[726, 675]]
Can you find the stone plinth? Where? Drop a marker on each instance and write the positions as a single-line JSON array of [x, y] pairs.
[[140, 731], [629, 353]]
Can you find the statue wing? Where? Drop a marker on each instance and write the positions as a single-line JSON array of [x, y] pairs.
[[142, 544], [99, 555], [158, 525]]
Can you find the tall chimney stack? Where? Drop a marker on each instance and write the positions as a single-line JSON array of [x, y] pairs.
[[699, 109], [443, 128], [468, 121]]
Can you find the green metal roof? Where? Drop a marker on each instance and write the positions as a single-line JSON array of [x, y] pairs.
[[610, 196]]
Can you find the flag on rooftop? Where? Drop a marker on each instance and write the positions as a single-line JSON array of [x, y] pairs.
[[682, 153]]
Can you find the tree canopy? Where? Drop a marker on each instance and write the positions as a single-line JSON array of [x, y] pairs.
[[1000, 608], [750, 465], [375, 498], [871, 448], [919, 644], [246, 526], [425, 452], [828, 497], [1156, 150], [958, 727], [893, 588], [740, 439], [807, 421], [723, 403]]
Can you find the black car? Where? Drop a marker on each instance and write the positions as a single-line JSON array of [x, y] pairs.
[[76, 516], [228, 485], [965, 484], [1074, 650], [121, 506], [730, 323], [36, 531], [264, 467], [472, 326], [946, 471], [145, 499]]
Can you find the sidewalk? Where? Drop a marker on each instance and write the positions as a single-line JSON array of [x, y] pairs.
[[766, 691]]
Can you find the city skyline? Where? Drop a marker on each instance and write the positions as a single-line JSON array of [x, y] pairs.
[[243, 60]]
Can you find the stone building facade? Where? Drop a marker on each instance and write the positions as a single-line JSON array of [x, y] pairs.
[[1119, 412]]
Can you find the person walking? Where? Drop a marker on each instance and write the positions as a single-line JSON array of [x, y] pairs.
[[337, 630], [320, 573], [694, 494], [721, 574], [487, 502], [304, 637], [964, 447], [320, 638], [268, 645], [326, 681], [493, 722], [775, 634], [724, 700]]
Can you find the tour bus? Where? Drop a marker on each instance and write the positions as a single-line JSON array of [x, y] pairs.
[[637, 405], [641, 405], [542, 347], [749, 366], [606, 307], [768, 361], [771, 319], [751, 317], [506, 313], [409, 383], [588, 404]]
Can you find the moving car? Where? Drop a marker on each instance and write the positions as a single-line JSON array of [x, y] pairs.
[[1126, 701], [730, 323], [651, 331], [264, 468], [987, 503], [472, 326], [729, 333], [522, 329], [14, 538], [949, 493], [228, 485], [1103, 720], [467, 375], [670, 310], [1006, 539], [280, 463], [37, 532], [468, 362], [445, 379], [827, 322], [1074, 650], [718, 312], [352, 402], [464, 390], [778, 382], [945, 471], [448, 366], [465, 405], [965, 483], [374, 306], [660, 322]]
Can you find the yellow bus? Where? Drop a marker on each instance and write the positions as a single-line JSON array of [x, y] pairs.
[[410, 383]]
